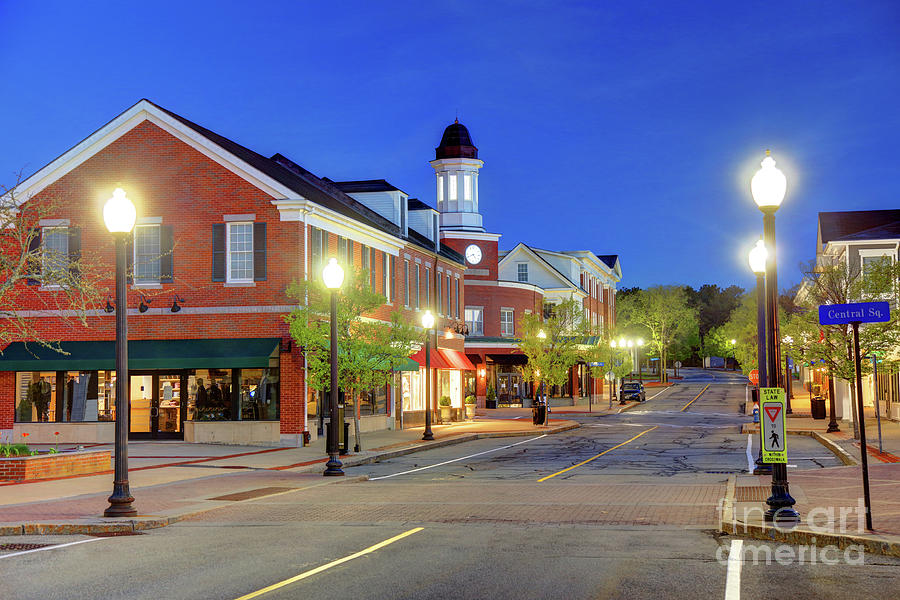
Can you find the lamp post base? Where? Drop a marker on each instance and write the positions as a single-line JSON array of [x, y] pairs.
[[428, 436], [781, 505], [120, 502], [333, 467], [832, 427]]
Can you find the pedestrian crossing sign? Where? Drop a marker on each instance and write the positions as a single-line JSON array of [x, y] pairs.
[[772, 428]]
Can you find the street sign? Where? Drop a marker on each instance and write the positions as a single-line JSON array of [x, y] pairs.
[[774, 444], [754, 377], [677, 364], [861, 312]]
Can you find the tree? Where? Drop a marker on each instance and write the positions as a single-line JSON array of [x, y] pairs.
[[64, 285], [665, 312], [714, 306], [368, 350], [741, 327], [840, 283], [552, 344]]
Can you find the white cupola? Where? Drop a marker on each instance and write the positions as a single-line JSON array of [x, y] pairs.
[[456, 167]]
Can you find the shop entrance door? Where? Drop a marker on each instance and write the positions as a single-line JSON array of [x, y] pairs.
[[508, 390], [158, 405]]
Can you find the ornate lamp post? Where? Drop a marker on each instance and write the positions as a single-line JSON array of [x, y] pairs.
[[733, 342], [611, 376], [758, 265], [333, 276], [640, 344], [119, 216], [428, 324], [788, 380], [543, 336], [768, 188]]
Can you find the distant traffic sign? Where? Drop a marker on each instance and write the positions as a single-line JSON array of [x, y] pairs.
[[860, 312], [774, 444], [677, 364], [754, 377]]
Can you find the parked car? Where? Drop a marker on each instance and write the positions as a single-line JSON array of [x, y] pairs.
[[632, 391]]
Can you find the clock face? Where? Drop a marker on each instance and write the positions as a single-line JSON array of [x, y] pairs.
[[473, 254]]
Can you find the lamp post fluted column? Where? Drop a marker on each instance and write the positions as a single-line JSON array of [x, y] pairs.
[[758, 265], [119, 215], [333, 275], [428, 324], [121, 498]]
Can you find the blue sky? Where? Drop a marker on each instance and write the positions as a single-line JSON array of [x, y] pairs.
[[627, 128]]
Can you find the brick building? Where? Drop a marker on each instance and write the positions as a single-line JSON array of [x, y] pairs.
[[501, 287], [221, 233]]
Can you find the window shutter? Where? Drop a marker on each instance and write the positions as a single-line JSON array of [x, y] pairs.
[[74, 250], [167, 254], [34, 257], [129, 258], [218, 252], [259, 252]]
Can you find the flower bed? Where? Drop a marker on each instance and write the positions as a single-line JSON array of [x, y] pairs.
[[47, 466]]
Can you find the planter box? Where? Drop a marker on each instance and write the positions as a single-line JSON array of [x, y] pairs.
[[47, 466], [895, 411], [242, 433]]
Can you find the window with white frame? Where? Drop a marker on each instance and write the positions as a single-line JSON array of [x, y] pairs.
[[440, 189], [418, 287], [406, 281], [385, 278], [147, 252], [467, 186], [475, 320], [240, 252], [437, 280], [451, 193], [522, 271], [507, 328], [54, 253]]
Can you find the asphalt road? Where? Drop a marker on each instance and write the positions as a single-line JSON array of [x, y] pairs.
[[583, 514]]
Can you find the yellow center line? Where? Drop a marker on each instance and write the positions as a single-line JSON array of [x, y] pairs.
[[333, 563], [584, 462], [695, 397]]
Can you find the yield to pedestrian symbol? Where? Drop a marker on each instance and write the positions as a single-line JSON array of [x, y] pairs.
[[774, 444]]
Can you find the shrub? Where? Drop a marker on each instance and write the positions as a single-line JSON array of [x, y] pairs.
[[470, 399], [445, 401]]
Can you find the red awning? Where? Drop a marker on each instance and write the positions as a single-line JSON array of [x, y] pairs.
[[457, 360], [437, 360]]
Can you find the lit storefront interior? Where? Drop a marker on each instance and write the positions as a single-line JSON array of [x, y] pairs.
[[181, 389], [453, 374]]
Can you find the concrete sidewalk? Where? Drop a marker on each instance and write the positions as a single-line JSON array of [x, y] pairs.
[[824, 495], [173, 480]]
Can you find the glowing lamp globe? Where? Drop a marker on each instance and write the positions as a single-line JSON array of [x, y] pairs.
[[333, 274], [542, 335], [758, 257], [630, 343], [733, 342], [640, 342], [612, 343], [428, 320], [119, 213], [768, 186]]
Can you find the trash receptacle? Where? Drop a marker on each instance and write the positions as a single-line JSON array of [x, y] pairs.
[[818, 408], [538, 412]]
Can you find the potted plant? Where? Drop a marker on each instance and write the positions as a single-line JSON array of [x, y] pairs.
[[470, 407], [446, 411], [491, 397]]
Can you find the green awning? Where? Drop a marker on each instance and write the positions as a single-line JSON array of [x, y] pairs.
[[142, 354], [409, 365]]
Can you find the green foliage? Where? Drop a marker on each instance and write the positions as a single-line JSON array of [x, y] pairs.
[[665, 312], [368, 350], [12, 450], [833, 344], [444, 401], [470, 399], [550, 356], [491, 393], [741, 327]]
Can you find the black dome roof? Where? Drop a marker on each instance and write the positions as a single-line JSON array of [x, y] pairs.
[[456, 143]]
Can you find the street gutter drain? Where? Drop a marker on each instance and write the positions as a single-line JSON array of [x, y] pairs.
[[13, 547], [249, 494], [752, 493]]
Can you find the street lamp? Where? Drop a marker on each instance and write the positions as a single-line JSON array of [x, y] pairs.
[[428, 324], [543, 336], [119, 216], [788, 380], [733, 342], [768, 187], [758, 264], [333, 276], [640, 344]]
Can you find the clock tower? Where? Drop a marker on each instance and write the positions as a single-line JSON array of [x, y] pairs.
[[456, 167]]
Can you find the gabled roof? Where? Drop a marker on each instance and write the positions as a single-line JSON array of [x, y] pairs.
[[540, 259], [416, 204], [889, 231], [839, 225], [609, 259]]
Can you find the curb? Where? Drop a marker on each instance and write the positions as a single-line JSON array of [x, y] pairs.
[[629, 407], [872, 545], [140, 524]]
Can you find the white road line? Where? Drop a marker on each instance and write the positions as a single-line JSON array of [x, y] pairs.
[[50, 547], [733, 575], [658, 393], [447, 462]]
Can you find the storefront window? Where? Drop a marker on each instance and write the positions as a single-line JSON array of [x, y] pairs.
[[413, 390], [259, 394], [450, 384], [58, 396], [211, 395], [374, 402]]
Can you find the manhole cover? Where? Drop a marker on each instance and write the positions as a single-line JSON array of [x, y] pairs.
[[752, 493], [258, 493], [14, 547]]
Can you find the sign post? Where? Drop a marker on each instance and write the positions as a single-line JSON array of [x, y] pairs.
[[774, 442], [855, 314]]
